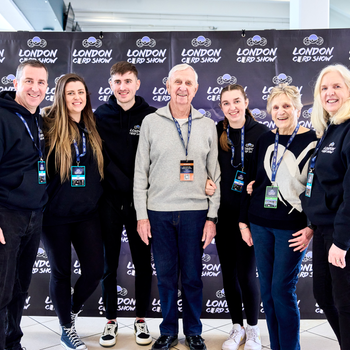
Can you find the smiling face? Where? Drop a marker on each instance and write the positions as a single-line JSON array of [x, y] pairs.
[[334, 92], [182, 87], [75, 95], [31, 87], [284, 114], [124, 88], [233, 106]]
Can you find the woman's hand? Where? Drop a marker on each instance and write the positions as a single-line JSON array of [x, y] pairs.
[[336, 256], [210, 187], [246, 234], [301, 240], [250, 187]]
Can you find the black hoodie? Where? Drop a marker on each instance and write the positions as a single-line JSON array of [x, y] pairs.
[[19, 187], [120, 132]]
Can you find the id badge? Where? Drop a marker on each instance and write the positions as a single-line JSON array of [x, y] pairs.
[[186, 170], [78, 176], [271, 197], [310, 179], [238, 182], [41, 172]]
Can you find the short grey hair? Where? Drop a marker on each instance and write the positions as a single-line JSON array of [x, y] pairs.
[[182, 66]]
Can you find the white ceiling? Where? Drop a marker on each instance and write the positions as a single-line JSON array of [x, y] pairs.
[[166, 15]]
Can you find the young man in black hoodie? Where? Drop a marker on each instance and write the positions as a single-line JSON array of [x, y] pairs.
[[22, 194], [118, 123]]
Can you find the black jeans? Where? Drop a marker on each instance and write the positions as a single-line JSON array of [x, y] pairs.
[[332, 286], [22, 235], [112, 221], [87, 241], [238, 268]]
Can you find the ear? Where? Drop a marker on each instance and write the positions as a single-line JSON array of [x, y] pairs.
[[15, 84], [138, 83], [246, 103], [167, 86]]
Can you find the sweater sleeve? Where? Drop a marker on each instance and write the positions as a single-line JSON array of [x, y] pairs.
[[341, 236], [142, 167], [213, 169]]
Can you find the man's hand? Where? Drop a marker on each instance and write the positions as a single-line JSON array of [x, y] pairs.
[[209, 232], [250, 187], [210, 187], [2, 238], [144, 230], [336, 256], [301, 240]]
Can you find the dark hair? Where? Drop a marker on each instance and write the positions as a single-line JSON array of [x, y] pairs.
[[31, 63], [223, 138], [123, 67]]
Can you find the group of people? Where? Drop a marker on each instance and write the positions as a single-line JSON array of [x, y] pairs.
[[73, 177]]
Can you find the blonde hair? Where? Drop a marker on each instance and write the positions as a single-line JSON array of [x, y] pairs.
[[223, 137], [319, 116], [283, 89], [60, 130]]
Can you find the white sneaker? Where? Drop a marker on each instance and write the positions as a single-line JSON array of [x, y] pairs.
[[109, 335], [253, 341], [142, 335], [236, 338]]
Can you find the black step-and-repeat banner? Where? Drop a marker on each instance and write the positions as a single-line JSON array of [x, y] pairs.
[[257, 60]]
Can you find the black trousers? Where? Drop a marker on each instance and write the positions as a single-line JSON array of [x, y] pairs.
[[85, 236], [332, 286], [112, 221], [238, 268]]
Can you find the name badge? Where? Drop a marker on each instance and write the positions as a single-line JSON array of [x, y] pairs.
[[238, 182], [310, 179], [78, 176], [41, 172], [271, 197], [186, 170]]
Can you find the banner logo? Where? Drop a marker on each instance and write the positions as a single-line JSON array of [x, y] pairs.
[[161, 94], [205, 113], [282, 79], [92, 41], [313, 39], [307, 114], [36, 41], [210, 270], [216, 306], [258, 114], [145, 41], [201, 41], [226, 79], [2, 58], [312, 53], [257, 40], [8, 79]]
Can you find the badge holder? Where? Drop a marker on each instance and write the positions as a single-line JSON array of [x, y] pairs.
[[271, 197], [186, 170], [238, 182], [78, 176], [310, 179], [41, 172]]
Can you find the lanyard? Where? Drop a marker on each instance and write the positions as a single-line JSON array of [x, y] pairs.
[[233, 148], [77, 149], [188, 134], [314, 156], [275, 166], [31, 135]]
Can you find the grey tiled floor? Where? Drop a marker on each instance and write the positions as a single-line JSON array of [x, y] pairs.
[[44, 333]]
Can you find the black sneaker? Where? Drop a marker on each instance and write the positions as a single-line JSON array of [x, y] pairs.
[[142, 335], [195, 342], [165, 342], [109, 335]]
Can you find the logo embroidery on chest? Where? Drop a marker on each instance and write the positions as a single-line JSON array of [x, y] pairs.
[[135, 130], [329, 149]]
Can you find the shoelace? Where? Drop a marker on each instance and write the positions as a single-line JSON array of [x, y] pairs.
[[235, 333], [142, 327], [73, 336], [196, 339], [109, 329], [252, 334]]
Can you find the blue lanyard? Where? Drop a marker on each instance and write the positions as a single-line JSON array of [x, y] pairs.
[[275, 166], [233, 148], [188, 134], [77, 149], [314, 156], [31, 135]]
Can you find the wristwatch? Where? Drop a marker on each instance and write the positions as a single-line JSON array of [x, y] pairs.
[[214, 220]]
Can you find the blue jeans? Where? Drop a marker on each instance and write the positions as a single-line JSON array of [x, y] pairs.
[[278, 268], [178, 249], [22, 235]]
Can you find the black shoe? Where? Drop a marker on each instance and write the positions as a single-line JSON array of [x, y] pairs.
[[195, 342], [165, 342]]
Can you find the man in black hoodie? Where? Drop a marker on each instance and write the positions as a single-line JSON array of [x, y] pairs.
[[118, 123], [22, 194]]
